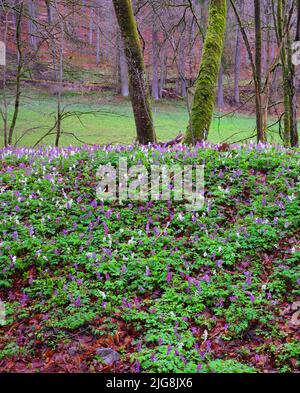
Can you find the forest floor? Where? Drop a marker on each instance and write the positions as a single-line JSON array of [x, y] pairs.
[[161, 288], [104, 118]]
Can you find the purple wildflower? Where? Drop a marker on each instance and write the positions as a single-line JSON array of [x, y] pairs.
[[94, 204], [252, 298], [208, 345], [139, 346], [24, 299], [136, 367], [105, 228], [77, 302]]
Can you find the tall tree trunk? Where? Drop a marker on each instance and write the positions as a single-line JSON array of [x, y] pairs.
[[294, 131], [4, 109], [155, 59], [293, 98], [31, 24], [181, 62], [268, 19], [237, 63], [297, 38], [91, 27], [98, 35], [203, 102], [261, 136], [220, 89], [281, 9], [19, 14], [163, 70], [59, 93], [50, 10], [123, 69], [138, 85], [191, 45]]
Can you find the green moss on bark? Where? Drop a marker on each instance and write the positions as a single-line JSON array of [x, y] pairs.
[[205, 93], [138, 84], [281, 6]]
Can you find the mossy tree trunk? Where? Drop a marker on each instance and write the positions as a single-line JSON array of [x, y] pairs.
[[283, 32], [281, 8], [138, 84], [206, 84], [294, 138], [294, 130]]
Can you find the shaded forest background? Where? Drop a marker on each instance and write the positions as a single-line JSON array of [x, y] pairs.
[[66, 69]]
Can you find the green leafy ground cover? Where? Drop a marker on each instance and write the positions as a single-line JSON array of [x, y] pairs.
[[169, 290]]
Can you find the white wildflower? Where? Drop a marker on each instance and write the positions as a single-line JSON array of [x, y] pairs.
[[180, 217], [132, 241], [102, 294]]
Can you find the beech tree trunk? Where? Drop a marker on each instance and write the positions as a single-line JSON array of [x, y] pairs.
[[31, 24], [60, 83], [163, 70], [52, 43], [261, 137], [220, 89], [19, 15], [294, 133], [204, 98], [138, 85], [4, 109], [91, 26], [297, 38], [294, 139], [290, 135], [181, 63], [155, 54], [237, 63], [98, 36], [123, 70]]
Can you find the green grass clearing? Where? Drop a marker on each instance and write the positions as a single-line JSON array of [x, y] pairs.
[[113, 122]]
